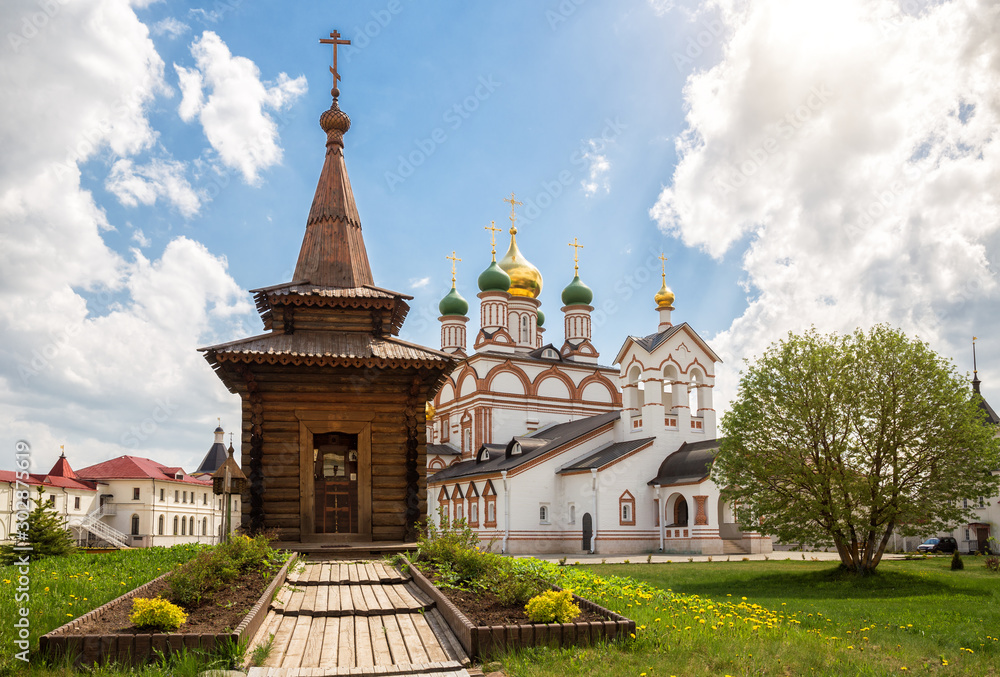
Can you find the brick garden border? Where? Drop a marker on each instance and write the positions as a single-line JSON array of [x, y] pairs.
[[135, 649], [481, 641]]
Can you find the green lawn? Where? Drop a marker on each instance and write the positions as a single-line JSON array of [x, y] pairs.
[[787, 618], [64, 588]]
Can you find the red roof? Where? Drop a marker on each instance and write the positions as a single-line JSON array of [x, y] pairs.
[[62, 469], [39, 480], [134, 467]]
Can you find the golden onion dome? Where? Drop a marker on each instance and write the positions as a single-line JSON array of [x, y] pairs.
[[525, 279], [664, 298]]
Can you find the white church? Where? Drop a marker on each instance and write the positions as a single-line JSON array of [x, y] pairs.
[[540, 448]]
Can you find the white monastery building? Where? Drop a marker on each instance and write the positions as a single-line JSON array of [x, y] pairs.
[[542, 449], [128, 501]]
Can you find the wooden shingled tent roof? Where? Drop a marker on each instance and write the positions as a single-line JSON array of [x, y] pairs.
[[332, 273]]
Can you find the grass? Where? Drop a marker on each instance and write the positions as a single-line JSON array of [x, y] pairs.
[[64, 588], [785, 618]]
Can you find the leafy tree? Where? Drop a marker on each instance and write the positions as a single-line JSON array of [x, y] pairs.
[[844, 439], [46, 533]]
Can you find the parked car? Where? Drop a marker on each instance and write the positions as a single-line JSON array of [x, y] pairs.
[[943, 544]]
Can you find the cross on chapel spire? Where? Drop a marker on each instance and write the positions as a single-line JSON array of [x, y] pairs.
[[333, 69], [663, 266]]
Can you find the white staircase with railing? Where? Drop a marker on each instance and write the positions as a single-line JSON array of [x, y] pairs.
[[92, 523]]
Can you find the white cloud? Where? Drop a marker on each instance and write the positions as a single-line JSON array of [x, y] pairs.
[[96, 345], [419, 282], [849, 151], [170, 27], [661, 7], [597, 170], [144, 184], [140, 238], [234, 116]]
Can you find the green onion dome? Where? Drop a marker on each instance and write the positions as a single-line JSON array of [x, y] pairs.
[[577, 293], [494, 279], [453, 304], [541, 318]]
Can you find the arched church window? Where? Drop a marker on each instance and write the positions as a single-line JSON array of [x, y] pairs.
[[135, 525], [159, 526], [525, 329]]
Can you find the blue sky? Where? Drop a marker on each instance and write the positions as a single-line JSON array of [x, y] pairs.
[[800, 163]]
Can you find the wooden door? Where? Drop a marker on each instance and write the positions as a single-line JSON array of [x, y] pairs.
[[335, 483], [588, 530], [982, 538]]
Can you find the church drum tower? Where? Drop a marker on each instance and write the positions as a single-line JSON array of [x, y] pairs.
[[333, 437]]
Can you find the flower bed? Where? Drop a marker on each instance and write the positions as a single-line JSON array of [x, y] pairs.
[[77, 639], [481, 641]]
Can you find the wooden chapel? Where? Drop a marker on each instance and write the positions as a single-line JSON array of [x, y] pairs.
[[333, 435]]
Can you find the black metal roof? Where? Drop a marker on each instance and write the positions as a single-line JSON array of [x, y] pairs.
[[213, 460], [990, 414], [523, 448], [692, 462], [604, 455], [653, 341], [443, 450]]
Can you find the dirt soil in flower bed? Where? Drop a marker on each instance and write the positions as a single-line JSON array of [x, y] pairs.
[[216, 615], [484, 608]]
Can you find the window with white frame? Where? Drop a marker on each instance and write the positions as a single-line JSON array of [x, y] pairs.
[[626, 509], [491, 511], [543, 514], [572, 514], [135, 493], [474, 513]]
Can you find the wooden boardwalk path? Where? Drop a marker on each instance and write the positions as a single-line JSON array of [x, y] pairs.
[[356, 618]]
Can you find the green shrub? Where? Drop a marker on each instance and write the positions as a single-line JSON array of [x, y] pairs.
[[156, 614], [214, 568], [516, 590], [45, 531], [552, 607], [956, 562]]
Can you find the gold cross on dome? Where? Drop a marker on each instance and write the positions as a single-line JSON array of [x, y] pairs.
[[663, 265], [576, 255], [493, 236], [454, 259], [335, 42], [513, 216]]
